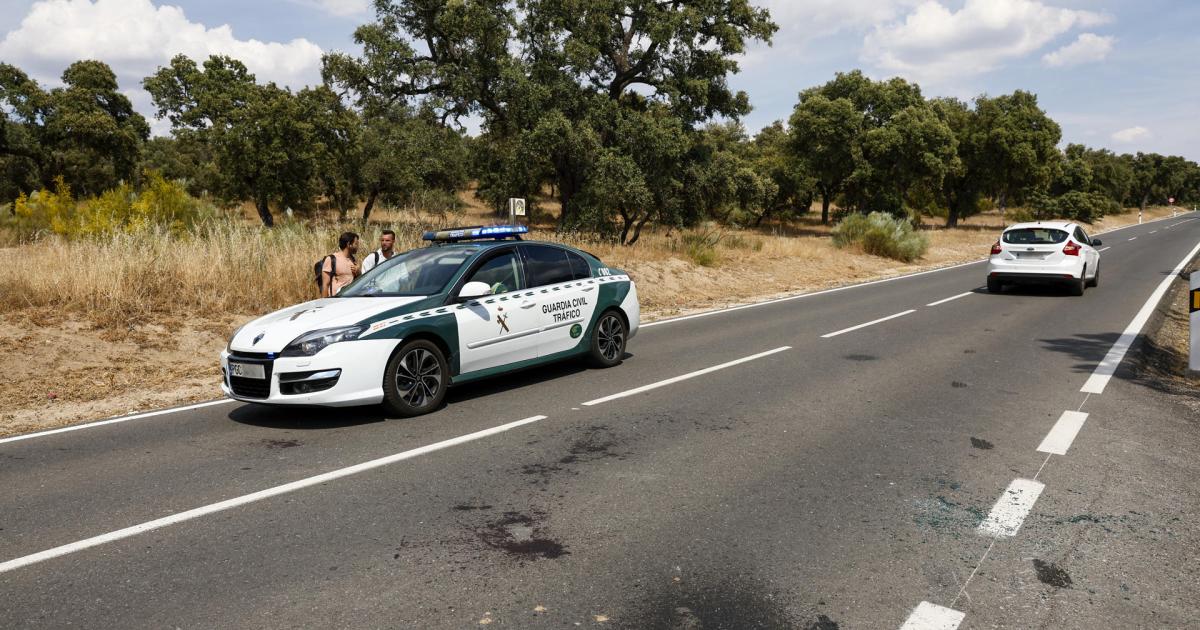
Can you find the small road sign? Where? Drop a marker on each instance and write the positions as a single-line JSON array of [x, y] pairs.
[[1194, 310]]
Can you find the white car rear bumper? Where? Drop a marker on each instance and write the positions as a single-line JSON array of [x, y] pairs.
[[359, 382], [1071, 268]]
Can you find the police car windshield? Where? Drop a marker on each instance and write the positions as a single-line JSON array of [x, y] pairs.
[[417, 272]]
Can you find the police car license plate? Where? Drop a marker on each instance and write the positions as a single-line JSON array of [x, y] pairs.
[[247, 370]]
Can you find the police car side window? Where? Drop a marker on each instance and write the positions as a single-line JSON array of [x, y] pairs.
[[1082, 236], [547, 265], [502, 273], [579, 267]]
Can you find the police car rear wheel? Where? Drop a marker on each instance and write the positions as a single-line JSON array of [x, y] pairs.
[[415, 380], [608, 340]]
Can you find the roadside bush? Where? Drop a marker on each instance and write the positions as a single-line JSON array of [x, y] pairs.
[[700, 247], [881, 234], [159, 205], [1075, 205]]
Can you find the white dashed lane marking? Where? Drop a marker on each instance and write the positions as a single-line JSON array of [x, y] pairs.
[[870, 323], [1133, 239], [1059, 439], [1011, 508], [949, 299], [684, 377], [228, 504], [927, 616], [1104, 249]]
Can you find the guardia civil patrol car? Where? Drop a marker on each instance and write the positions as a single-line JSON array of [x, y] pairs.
[[476, 302]]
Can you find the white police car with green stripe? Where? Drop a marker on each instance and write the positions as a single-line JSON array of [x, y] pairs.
[[477, 302]]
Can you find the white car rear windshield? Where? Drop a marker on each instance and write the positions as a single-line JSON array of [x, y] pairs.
[[417, 272], [1034, 236]]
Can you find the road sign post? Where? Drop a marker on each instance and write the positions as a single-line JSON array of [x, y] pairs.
[[516, 208], [1194, 316]]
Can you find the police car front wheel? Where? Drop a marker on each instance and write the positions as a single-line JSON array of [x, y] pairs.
[[415, 380], [608, 340]]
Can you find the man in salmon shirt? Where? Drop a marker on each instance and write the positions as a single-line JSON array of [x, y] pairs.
[[340, 268]]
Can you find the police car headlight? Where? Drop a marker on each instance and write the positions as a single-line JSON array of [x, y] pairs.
[[313, 342]]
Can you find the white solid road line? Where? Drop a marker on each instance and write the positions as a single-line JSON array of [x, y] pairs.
[[256, 496], [684, 377], [1108, 366], [927, 616], [870, 323], [1059, 439], [950, 299], [139, 416], [798, 296], [1011, 508]]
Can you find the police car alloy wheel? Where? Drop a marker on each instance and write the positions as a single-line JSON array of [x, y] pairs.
[[608, 340], [415, 380]]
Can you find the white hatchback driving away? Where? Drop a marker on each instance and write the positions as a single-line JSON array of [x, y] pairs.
[[1045, 252]]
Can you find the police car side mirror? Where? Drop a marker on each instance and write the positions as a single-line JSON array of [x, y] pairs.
[[1096, 242], [472, 290]]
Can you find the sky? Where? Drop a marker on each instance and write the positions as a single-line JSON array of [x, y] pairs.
[[1114, 74]]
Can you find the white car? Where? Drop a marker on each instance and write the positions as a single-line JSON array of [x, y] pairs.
[[471, 305], [1058, 252]]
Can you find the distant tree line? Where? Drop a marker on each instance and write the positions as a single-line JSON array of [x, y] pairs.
[[620, 110]]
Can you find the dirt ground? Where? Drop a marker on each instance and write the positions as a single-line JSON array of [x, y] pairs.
[[61, 370]]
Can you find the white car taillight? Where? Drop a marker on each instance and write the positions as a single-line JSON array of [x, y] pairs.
[[1071, 248]]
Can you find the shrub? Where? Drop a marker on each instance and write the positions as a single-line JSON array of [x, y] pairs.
[[1075, 205], [700, 247], [159, 205], [881, 234]]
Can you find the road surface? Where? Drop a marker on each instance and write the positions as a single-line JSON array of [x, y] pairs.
[[780, 466]]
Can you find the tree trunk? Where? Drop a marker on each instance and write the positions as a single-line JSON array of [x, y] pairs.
[[264, 212], [370, 205], [952, 216], [565, 193], [637, 231], [825, 199], [626, 224], [1142, 205]]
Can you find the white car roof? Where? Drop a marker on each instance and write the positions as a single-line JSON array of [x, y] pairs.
[[1060, 225]]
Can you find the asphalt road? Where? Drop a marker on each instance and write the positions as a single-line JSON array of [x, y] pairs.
[[837, 482]]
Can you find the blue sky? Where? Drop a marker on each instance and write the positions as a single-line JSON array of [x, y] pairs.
[[1114, 74]]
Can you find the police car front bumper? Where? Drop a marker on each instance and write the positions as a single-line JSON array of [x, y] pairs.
[[340, 375]]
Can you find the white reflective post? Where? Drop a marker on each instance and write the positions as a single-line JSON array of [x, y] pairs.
[[1194, 310]]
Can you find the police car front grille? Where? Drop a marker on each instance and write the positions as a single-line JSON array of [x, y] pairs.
[[252, 387]]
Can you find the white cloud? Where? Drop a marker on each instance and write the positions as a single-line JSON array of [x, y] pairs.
[[826, 17], [135, 37], [1132, 134], [341, 8], [934, 44], [1086, 48]]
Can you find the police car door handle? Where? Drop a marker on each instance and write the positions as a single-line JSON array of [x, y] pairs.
[[528, 304]]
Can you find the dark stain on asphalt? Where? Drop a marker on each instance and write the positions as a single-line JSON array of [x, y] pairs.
[[982, 444], [823, 623], [731, 601], [958, 384], [522, 536], [861, 357], [968, 351], [281, 443], [542, 470], [467, 507], [1052, 574], [597, 443]]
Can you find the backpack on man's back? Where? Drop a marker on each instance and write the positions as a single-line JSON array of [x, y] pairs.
[[319, 269]]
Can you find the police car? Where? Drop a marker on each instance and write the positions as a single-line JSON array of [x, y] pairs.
[[476, 302]]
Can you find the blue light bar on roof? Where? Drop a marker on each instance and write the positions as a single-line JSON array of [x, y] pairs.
[[476, 233]]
